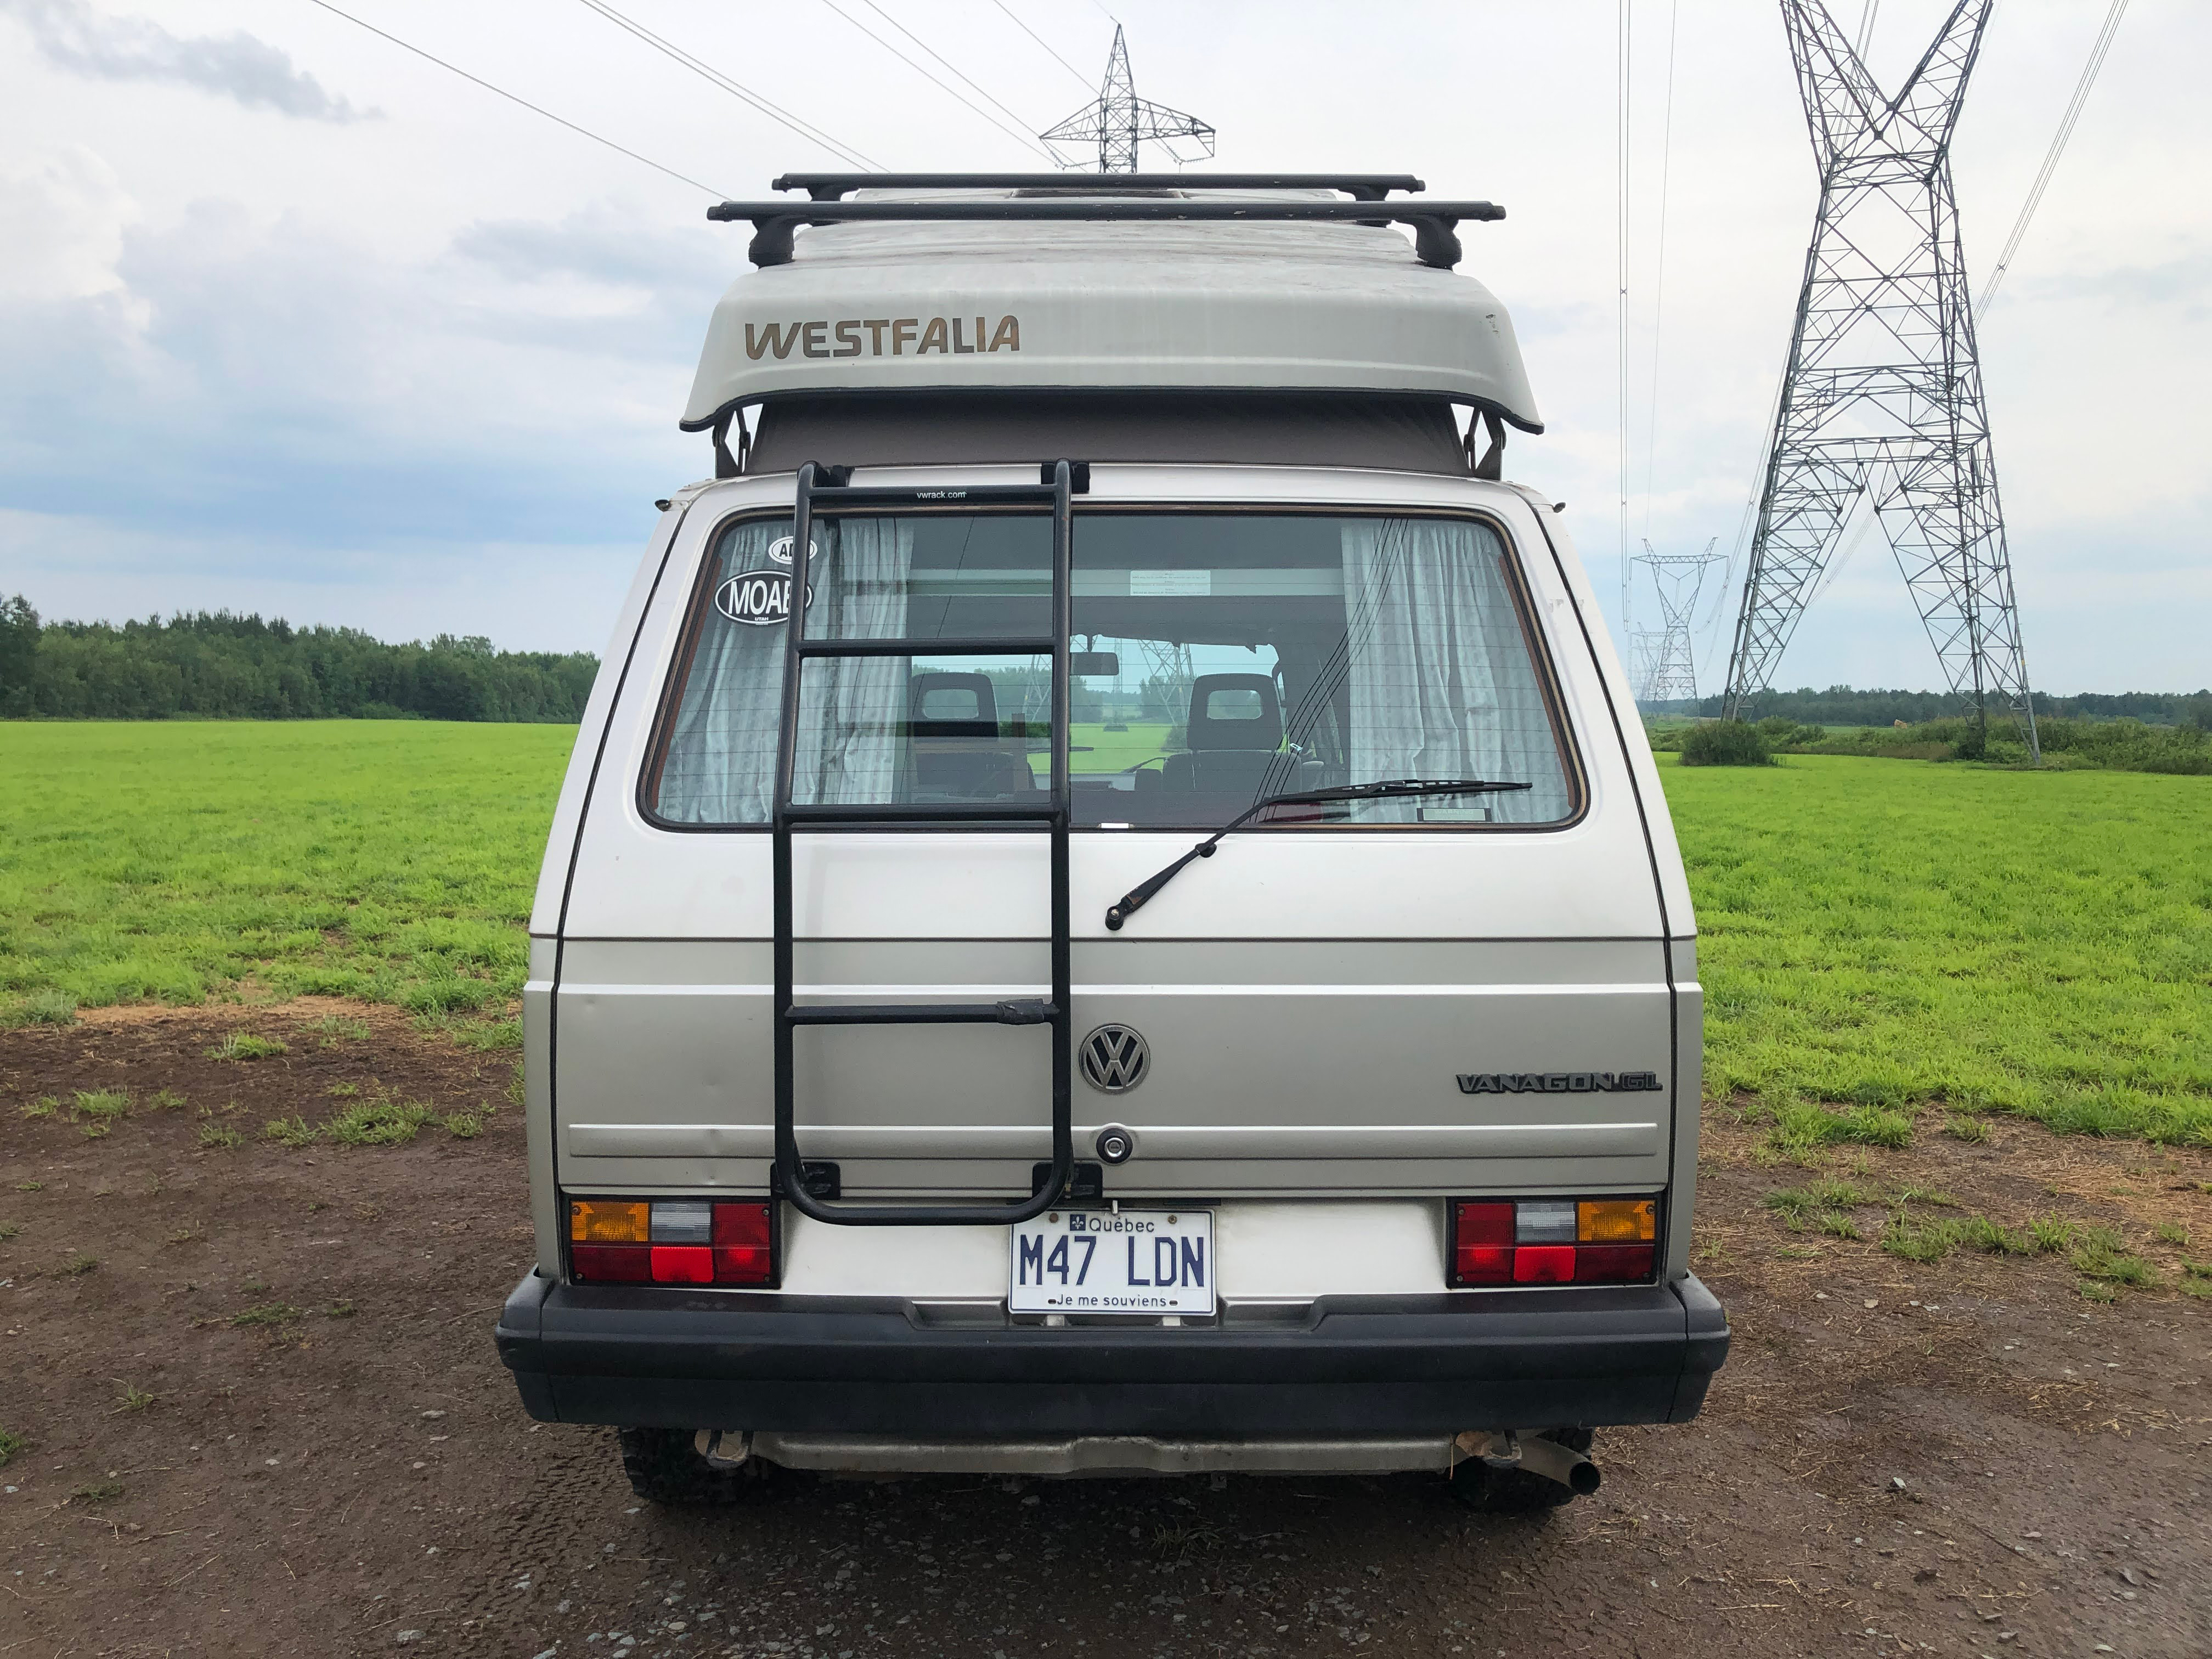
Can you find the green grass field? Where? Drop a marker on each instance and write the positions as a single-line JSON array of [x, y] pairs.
[[170, 860], [1879, 937], [1114, 751], [1097, 748]]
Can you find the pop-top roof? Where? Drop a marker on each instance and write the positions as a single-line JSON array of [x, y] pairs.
[[1028, 289]]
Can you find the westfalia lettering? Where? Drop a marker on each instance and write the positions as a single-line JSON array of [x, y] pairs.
[[1556, 1083], [886, 336]]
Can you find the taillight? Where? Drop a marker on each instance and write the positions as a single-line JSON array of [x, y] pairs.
[[1482, 1244], [742, 1245], [595, 1221], [671, 1242], [1554, 1241]]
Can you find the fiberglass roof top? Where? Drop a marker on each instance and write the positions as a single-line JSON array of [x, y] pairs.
[[884, 307]]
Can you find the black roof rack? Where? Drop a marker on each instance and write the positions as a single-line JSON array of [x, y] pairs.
[[1360, 186], [1435, 224]]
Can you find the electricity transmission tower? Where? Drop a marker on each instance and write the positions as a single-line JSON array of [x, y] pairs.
[[1645, 648], [1666, 670], [1882, 395], [1118, 120], [1173, 671]]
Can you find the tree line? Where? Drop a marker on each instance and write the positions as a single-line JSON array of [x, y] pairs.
[[1840, 705], [215, 665]]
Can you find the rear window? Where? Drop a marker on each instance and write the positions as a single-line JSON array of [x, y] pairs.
[[1218, 659]]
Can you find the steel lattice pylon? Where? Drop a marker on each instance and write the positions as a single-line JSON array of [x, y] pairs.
[[1118, 120], [1666, 667], [1882, 396], [1647, 649]]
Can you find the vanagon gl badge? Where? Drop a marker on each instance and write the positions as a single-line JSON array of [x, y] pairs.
[[1115, 1059], [1558, 1083], [762, 598]]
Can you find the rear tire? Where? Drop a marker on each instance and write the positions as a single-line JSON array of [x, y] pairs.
[[665, 1466], [1516, 1492]]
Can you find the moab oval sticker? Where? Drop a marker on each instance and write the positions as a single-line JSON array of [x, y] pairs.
[[762, 598]]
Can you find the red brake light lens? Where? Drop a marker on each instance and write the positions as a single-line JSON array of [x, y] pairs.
[[683, 1264], [1544, 1264], [611, 1264], [1482, 1243], [742, 1247], [1497, 1241], [1613, 1264]]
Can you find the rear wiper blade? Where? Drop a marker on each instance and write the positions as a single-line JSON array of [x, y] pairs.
[[1139, 895]]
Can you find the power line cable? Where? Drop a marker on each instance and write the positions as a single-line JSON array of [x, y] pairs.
[[941, 58], [1024, 138], [1046, 44], [706, 71], [1623, 40], [1866, 30], [2102, 44], [1744, 524], [534, 109], [1659, 276], [1867, 517], [1747, 522]]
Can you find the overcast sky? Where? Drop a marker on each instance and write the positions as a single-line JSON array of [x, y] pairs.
[[296, 322]]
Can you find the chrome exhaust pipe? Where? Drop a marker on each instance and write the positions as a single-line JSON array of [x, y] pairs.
[[1507, 1448], [1570, 1468], [724, 1448]]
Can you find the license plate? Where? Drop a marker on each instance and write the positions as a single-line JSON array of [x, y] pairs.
[[1140, 1261]]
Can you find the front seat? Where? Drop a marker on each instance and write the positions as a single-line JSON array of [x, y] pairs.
[[954, 721], [1235, 735]]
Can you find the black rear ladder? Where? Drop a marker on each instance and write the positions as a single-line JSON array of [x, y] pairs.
[[787, 815]]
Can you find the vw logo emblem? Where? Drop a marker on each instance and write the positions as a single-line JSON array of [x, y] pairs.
[[1115, 1059]]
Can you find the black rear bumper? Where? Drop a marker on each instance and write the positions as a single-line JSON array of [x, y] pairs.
[[641, 1357]]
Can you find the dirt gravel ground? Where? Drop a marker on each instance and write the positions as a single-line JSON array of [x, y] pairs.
[[1966, 1457]]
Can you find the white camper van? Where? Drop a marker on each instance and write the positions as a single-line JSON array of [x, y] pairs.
[[1111, 913]]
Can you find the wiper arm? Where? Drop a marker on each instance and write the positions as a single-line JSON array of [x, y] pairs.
[[1142, 895]]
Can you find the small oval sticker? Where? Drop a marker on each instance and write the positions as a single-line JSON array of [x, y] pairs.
[[762, 598]]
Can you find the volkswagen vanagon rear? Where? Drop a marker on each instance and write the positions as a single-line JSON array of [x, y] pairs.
[[1110, 914]]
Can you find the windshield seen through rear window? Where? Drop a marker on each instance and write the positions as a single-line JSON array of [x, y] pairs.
[[1219, 658]]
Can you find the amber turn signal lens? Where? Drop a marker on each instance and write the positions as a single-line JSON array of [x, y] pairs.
[[598, 1222], [1617, 1221]]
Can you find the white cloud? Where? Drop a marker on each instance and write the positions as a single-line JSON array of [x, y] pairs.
[[277, 392], [403, 349], [62, 214], [73, 36]]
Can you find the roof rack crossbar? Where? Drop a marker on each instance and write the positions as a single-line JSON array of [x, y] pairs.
[[1435, 224], [1360, 186]]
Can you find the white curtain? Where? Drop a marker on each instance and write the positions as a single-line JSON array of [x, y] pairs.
[[856, 747], [1442, 682], [721, 765]]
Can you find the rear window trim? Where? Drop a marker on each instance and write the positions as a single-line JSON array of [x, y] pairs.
[[1517, 582]]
